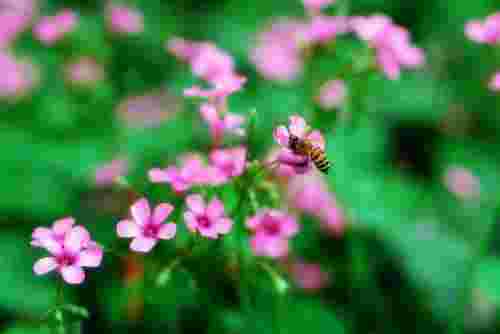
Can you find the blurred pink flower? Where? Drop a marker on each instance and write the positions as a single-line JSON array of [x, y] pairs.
[[13, 23], [494, 83], [299, 128], [487, 32], [182, 49], [277, 54], [18, 76], [84, 71], [315, 6], [109, 172], [125, 20], [322, 29], [272, 229], [309, 276], [230, 162], [461, 182], [146, 228], [220, 124], [207, 219], [50, 29], [332, 94], [71, 249], [391, 42], [224, 87]]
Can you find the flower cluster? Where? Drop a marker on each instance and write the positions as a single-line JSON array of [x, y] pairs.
[[486, 32]]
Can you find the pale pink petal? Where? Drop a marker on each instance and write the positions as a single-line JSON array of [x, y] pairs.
[[161, 212], [196, 203], [208, 232], [209, 113], [190, 220], [76, 239], [51, 245], [90, 257], [157, 175], [332, 94], [298, 126], [224, 225], [44, 265], [64, 225], [388, 64], [41, 233], [475, 31], [142, 244], [254, 222], [73, 274], [167, 231], [281, 136], [127, 229], [140, 211], [494, 83], [289, 227], [233, 121], [317, 139], [215, 209]]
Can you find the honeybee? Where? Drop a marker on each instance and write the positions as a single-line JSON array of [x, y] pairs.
[[305, 147]]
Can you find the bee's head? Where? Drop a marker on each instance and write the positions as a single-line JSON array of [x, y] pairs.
[[293, 142]]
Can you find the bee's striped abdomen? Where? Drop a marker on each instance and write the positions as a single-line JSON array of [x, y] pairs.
[[320, 159]]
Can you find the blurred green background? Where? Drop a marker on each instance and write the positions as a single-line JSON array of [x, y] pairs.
[[415, 258]]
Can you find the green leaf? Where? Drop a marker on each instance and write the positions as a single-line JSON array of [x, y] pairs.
[[488, 279]]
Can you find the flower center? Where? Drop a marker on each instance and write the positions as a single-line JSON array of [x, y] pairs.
[[271, 227], [151, 230], [203, 221], [66, 259]]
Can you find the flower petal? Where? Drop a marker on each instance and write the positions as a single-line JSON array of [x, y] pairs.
[[73, 274], [215, 209], [317, 139], [161, 212], [196, 203], [142, 244], [44, 265], [224, 225], [208, 232], [157, 175], [90, 257], [298, 126], [127, 229], [140, 211], [281, 135], [63, 226], [190, 220], [41, 233], [76, 239], [51, 245], [167, 231]]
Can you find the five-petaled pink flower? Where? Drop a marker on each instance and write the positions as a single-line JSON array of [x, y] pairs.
[[298, 127], [332, 94], [230, 162], [125, 20], [487, 32], [146, 228], [50, 29], [272, 230], [70, 247], [391, 42], [209, 219]]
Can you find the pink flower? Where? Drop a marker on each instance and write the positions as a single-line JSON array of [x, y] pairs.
[[224, 87], [125, 20], [50, 29], [298, 127], [494, 83], [84, 71], [332, 94], [277, 55], [272, 230], [461, 182], [13, 23], [211, 63], [315, 6], [208, 220], [391, 42], [487, 32], [230, 162], [323, 29], [18, 76], [71, 249], [181, 48], [309, 276], [219, 124], [108, 173], [146, 228]]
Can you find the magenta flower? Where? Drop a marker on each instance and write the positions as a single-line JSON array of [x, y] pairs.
[[391, 42], [84, 71], [487, 32], [272, 230], [208, 220], [71, 249], [315, 6], [309, 276], [462, 182], [298, 127], [125, 20], [332, 94], [494, 83], [146, 228], [323, 29], [230, 162], [50, 29], [108, 173], [220, 124], [278, 55]]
